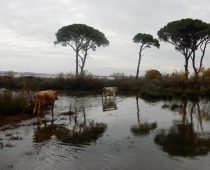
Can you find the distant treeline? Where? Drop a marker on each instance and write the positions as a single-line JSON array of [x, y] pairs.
[[153, 84]]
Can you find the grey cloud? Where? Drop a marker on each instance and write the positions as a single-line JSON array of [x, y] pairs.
[[27, 30]]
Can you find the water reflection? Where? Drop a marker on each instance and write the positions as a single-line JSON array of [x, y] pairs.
[[142, 128], [134, 137], [80, 134], [109, 104], [76, 133], [183, 139]]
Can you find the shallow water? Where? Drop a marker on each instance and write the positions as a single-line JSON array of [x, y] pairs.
[[126, 133]]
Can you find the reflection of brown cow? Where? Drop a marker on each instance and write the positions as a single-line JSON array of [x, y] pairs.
[[45, 99], [80, 134]]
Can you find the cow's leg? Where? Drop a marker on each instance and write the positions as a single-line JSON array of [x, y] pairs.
[[52, 109], [102, 96], [34, 111], [39, 108]]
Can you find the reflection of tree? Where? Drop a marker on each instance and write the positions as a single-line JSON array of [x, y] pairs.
[[190, 110], [109, 104], [181, 139], [81, 132], [142, 128], [205, 110]]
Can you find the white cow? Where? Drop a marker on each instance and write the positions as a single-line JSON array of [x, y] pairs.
[[109, 91]]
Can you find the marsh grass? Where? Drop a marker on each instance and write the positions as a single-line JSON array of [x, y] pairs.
[[12, 103], [152, 85]]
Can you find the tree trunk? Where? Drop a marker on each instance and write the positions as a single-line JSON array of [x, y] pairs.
[[77, 62], [137, 72], [196, 71], [83, 63], [82, 69], [83, 60], [186, 68]]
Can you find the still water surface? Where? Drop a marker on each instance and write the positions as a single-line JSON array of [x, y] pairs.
[[126, 133]]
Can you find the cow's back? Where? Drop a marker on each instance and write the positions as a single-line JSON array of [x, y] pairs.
[[47, 97]]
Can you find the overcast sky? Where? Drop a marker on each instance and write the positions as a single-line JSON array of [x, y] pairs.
[[28, 27]]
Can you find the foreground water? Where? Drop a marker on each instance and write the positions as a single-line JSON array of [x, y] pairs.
[[126, 133]]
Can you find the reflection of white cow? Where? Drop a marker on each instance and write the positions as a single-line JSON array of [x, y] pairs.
[[109, 91], [109, 104]]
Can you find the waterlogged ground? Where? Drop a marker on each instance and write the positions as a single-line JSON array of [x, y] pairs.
[[126, 133]]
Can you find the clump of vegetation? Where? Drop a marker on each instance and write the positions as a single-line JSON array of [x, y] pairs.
[[177, 76], [206, 77], [152, 74], [13, 103]]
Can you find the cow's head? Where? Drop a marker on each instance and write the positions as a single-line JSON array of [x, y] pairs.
[[56, 95]]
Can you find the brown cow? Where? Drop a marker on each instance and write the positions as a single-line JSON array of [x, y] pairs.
[[45, 99]]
